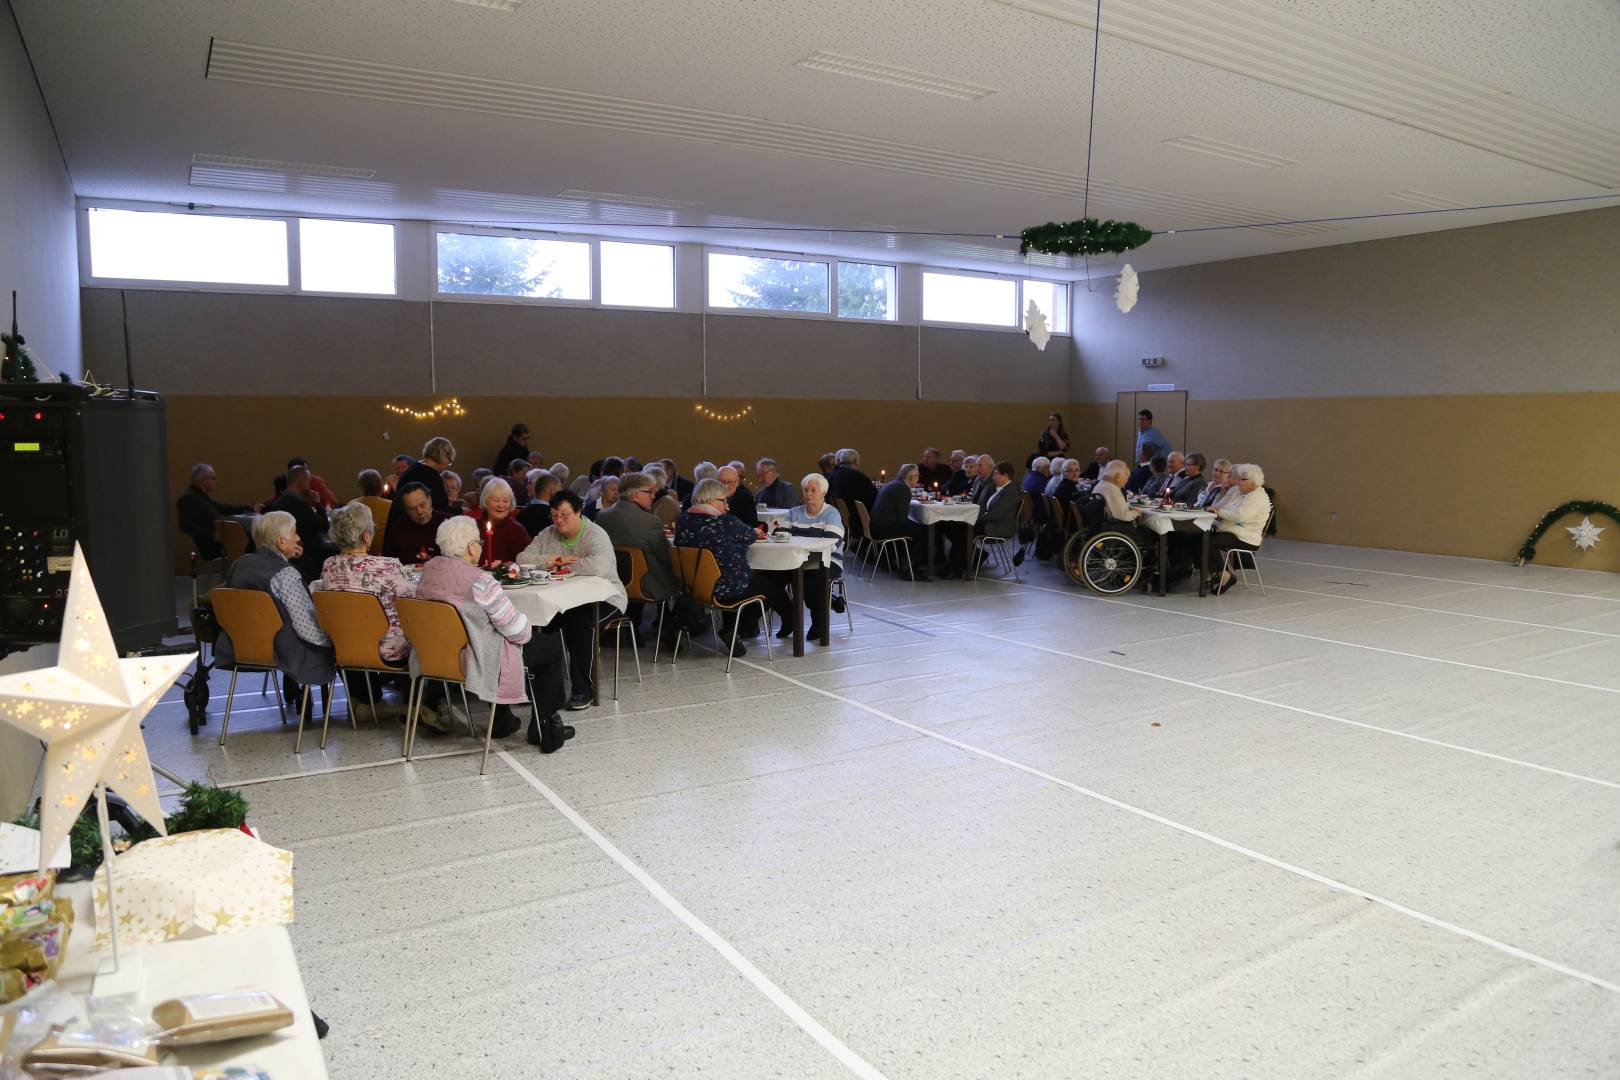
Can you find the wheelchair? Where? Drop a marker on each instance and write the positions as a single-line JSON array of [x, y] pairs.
[[1106, 556]]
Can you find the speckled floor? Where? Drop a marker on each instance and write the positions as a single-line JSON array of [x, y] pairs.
[[1367, 825]]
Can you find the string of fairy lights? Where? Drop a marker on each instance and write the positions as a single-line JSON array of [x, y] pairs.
[[723, 417], [453, 407]]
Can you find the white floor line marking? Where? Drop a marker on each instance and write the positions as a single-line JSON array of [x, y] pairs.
[[1309, 875], [1273, 704], [1444, 611], [351, 768], [1454, 581], [762, 982], [1079, 595]]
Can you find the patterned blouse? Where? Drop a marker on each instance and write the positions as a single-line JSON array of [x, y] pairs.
[[729, 538], [384, 579]]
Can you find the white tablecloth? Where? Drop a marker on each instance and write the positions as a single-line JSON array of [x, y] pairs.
[[929, 513], [541, 602], [769, 517], [771, 555], [1163, 521]]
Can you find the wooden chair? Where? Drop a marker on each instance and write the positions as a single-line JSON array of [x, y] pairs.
[[233, 536], [855, 541], [380, 509], [700, 573], [356, 624], [251, 620], [632, 567], [666, 510], [882, 547], [1055, 514], [438, 637]]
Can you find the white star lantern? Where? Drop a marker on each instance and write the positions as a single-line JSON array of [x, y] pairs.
[[1125, 292], [1035, 326], [1585, 534], [88, 711]]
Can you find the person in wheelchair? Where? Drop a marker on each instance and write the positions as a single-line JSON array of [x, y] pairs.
[[1113, 553]]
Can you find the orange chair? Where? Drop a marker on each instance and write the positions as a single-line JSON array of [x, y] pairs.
[[251, 620], [356, 624], [700, 573], [632, 566], [380, 509], [438, 638], [233, 536]]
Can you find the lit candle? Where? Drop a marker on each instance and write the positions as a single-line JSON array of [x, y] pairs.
[[489, 533]]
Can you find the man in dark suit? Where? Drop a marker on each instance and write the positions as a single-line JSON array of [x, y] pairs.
[[739, 500], [438, 455], [630, 523], [933, 474], [961, 477], [850, 484], [1000, 516], [1192, 481], [891, 518], [680, 485], [774, 492], [984, 480], [412, 532], [1144, 471], [536, 514], [309, 517], [1173, 475], [1099, 458], [198, 512]]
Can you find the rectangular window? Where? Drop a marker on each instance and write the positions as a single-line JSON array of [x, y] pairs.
[[638, 275], [345, 256], [1053, 299], [142, 245], [752, 281], [979, 301], [482, 265], [866, 291]]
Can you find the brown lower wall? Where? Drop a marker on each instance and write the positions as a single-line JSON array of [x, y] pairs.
[[1464, 475]]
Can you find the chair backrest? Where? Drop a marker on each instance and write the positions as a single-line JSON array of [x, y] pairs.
[[356, 623], [632, 571], [666, 510], [251, 620], [233, 538], [843, 512], [865, 517], [1054, 511], [699, 571], [1026, 508], [437, 636], [380, 509], [1093, 511]]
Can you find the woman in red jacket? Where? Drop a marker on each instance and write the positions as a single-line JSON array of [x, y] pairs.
[[503, 536]]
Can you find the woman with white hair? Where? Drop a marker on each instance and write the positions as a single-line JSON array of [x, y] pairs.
[[1111, 487], [303, 651], [501, 646], [1055, 477], [355, 569], [504, 538], [1240, 519], [607, 493], [814, 517]]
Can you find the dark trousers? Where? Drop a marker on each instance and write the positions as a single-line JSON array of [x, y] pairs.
[[577, 628], [959, 541], [1219, 544], [759, 581], [916, 537], [543, 656], [777, 585]]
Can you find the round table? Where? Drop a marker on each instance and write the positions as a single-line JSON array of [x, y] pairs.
[[543, 602], [931, 513], [1164, 522], [793, 555]]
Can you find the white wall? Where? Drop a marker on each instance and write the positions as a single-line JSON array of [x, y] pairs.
[[38, 246]]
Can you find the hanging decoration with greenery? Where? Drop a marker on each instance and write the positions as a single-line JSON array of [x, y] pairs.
[[1087, 236], [1579, 506]]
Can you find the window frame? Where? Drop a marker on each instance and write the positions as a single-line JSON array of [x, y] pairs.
[[596, 271], [437, 228], [1068, 304], [839, 260], [295, 251], [830, 261], [1018, 280]]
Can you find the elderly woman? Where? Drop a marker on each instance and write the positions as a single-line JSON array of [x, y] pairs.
[[504, 538], [1111, 487], [709, 524], [1068, 488], [1054, 477], [1240, 520], [452, 486], [607, 493], [1219, 487], [814, 517], [501, 646], [303, 651], [355, 569]]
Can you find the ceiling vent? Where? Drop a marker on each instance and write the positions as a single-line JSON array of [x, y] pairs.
[[626, 200], [1260, 41], [493, 5], [1424, 199], [1230, 151], [905, 78], [301, 168]]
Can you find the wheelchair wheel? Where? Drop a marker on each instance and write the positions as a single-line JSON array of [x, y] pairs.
[[1106, 562]]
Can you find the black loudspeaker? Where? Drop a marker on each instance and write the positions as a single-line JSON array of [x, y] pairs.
[[91, 470]]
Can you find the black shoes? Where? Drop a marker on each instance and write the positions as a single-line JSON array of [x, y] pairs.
[[578, 702], [785, 632], [1018, 559], [553, 734], [838, 604], [506, 722]]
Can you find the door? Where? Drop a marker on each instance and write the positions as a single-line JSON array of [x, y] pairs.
[[1169, 408]]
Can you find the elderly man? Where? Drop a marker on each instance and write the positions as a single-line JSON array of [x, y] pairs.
[[537, 514], [1034, 482], [411, 533], [1173, 475], [1000, 516], [438, 454], [933, 474], [984, 483], [584, 548], [198, 512], [739, 499], [318, 489], [774, 492], [1143, 473], [678, 483], [826, 464], [299, 501], [961, 473], [1150, 436], [853, 486], [630, 523], [1099, 458], [1192, 481], [401, 463], [891, 519]]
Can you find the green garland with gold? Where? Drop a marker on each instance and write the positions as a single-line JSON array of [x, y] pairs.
[[1579, 506], [1087, 236]]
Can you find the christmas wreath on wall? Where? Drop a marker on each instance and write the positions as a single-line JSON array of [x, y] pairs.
[[1584, 534], [1087, 236]]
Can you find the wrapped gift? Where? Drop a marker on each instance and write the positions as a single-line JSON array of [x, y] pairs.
[[212, 881]]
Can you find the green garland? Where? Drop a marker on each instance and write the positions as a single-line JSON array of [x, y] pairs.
[[17, 365], [1087, 236], [1579, 506]]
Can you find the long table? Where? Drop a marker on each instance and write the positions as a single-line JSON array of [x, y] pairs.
[[931, 513]]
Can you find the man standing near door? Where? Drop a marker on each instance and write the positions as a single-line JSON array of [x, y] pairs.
[[1147, 433]]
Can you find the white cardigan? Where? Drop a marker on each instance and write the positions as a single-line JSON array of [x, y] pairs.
[[1244, 516]]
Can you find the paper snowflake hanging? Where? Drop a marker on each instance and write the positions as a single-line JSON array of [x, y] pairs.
[[1125, 292], [1035, 326], [1585, 534]]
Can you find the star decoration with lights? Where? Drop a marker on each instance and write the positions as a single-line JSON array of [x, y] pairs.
[[1585, 534], [88, 711]]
